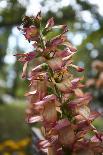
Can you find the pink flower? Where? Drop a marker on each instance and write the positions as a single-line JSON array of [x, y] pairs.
[[55, 95]]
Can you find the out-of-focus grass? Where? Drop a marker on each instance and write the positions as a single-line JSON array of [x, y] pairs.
[[12, 122]]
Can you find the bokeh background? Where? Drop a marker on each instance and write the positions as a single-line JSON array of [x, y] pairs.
[[85, 21]]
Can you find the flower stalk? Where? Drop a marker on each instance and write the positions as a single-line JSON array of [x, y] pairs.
[[55, 96]]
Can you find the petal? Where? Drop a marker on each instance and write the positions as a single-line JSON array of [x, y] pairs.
[[55, 63], [66, 136], [39, 103], [84, 100], [49, 98], [84, 111], [31, 33], [94, 115], [50, 23], [83, 125], [46, 99], [41, 89], [96, 139], [23, 57], [56, 41], [24, 70], [70, 46], [39, 68], [81, 134], [30, 55], [31, 93], [34, 119], [49, 113], [64, 86], [47, 108], [66, 52], [79, 69], [75, 81], [44, 143], [79, 118], [78, 92], [61, 124]]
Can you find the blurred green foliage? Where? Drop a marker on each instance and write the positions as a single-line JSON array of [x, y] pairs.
[[12, 124]]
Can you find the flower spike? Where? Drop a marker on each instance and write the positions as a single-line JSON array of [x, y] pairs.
[[56, 99]]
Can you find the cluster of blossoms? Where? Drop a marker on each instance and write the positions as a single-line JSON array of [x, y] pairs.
[[55, 97]]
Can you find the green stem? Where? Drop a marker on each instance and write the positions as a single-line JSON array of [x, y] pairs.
[[58, 94], [41, 38]]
